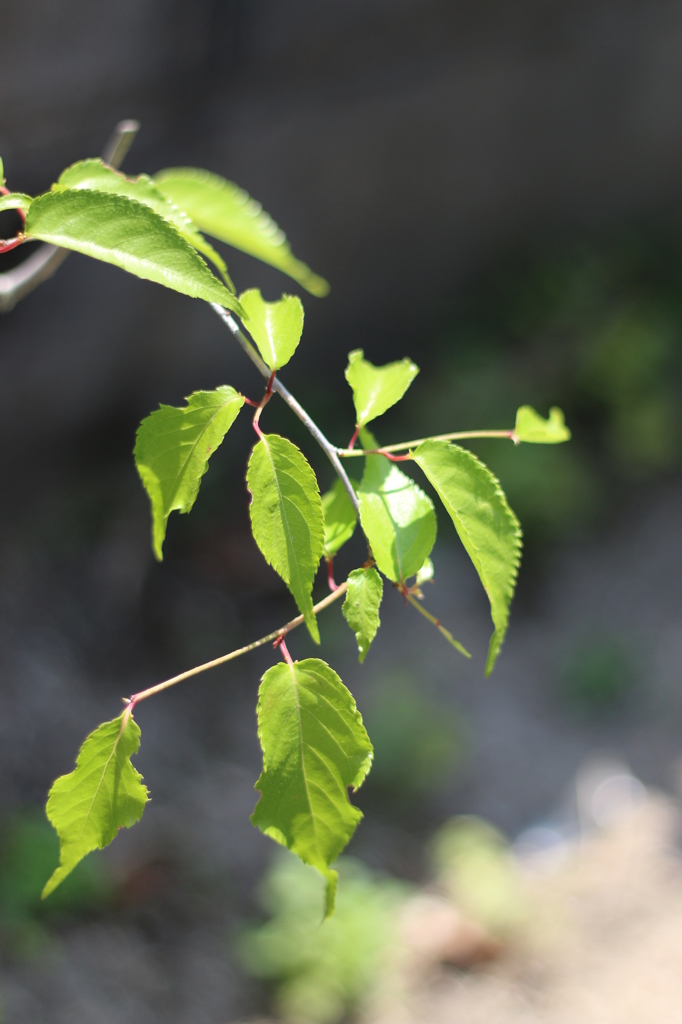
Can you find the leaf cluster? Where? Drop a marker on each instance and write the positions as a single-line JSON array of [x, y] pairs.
[[315, 746]]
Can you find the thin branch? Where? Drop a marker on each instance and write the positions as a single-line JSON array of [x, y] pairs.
[[329, 449], [276, 635], [19, 282], [461, 435]]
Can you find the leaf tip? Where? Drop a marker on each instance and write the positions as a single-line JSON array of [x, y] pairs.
[[330, 893], [50, 885], [317, 286], [313, 628]]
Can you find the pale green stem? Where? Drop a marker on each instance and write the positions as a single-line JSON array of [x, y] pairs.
[[282, 631], [436, 622], [460, 435], [328, 448]]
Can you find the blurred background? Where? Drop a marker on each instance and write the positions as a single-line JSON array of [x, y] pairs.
[[493, 190]]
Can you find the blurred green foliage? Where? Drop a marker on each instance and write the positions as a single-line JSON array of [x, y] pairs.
[[471, 860], [596, 330], [321, 971], [418, 742], [599, 674], [29, 852]]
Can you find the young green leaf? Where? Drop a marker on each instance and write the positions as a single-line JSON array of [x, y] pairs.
[[314, 747], [15, 201], [128, 234], [532, 428], [398, 519], [425, 574], [98, 176], [103, 794], [172, 450], [286, 517], [377, 388], [486, 525], [361, 606], [2, 173], [276, 327], [225, 211], [340, 518]]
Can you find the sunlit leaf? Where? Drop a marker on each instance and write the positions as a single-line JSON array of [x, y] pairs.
[[340, 518], [173, 448], [103, 794], [128, 234], [225, 211], [314, 747], [361, 606], [286, 517], [486, 525], [98, 176], [398, 519], [532, 428], [276, 327], [377, 388]]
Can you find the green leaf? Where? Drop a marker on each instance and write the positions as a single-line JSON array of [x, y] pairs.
[[128, 234], [361, 606], [314, 747], [486, 525], [286, 517], [276, 327], [377, 388], [398, 519], [172, 450], [103, 794], [15, 201], [98, 176], [531, 428], [425, 574], [2, 173], [340, 518], [225, 211]]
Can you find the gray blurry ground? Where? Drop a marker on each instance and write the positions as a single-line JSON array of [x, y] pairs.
[[600, 943]]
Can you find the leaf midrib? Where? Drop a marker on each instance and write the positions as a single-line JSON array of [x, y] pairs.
[[176, 485], [303, 771], [475, 553], [374, 391], [363, 614], [289, 536], [102, 777], [268, 334]]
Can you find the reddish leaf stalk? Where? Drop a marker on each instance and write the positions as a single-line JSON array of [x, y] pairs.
[[8, 246], [279, 642], [393, 458], [261, 405]]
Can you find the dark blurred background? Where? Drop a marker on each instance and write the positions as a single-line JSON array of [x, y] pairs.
[[492, 189]]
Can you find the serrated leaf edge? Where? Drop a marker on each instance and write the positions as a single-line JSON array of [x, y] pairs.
[[496, 639], [145, 471]]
